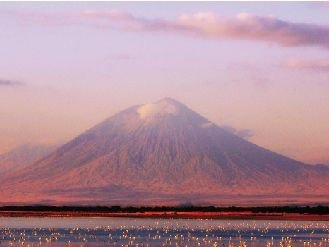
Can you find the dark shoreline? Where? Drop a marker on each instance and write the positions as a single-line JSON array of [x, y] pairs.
[[183, 212], [172, 215]]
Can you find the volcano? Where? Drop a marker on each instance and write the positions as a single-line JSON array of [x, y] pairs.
[[164, 153]]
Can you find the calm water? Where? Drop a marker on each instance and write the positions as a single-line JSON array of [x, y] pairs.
[[160, 232]]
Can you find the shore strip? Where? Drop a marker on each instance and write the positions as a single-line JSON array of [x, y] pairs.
[[172, 215]]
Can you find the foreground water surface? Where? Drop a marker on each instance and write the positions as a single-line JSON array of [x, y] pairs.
[[33, 231]]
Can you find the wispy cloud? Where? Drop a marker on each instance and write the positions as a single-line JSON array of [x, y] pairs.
[[324, 3], [10, 83], [129, 22], [243, 133], [251, 27], [243, 26], [314, 64]]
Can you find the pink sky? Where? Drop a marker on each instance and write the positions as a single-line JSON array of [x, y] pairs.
[[261, 67]]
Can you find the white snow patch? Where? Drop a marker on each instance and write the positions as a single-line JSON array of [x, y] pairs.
[[157, 109]]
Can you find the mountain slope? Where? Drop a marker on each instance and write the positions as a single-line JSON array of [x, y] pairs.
[[23, 156], [164, 153]]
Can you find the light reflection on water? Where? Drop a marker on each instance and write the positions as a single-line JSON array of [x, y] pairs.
[[34, 231]]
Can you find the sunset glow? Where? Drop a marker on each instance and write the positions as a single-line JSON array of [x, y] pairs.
[[261, 68]]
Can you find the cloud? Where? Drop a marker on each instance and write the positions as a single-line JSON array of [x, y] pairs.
[[323, 3], [315, 64], [10, 83], [250, 27], [126, 21], [243, 26], [243, 133]]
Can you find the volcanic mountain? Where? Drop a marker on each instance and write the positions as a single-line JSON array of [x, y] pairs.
[[164, 153]]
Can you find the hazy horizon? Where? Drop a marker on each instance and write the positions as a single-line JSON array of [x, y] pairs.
[[258, 68]]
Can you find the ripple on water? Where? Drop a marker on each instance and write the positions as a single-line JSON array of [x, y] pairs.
[[160, 232]]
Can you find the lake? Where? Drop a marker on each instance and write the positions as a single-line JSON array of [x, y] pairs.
[[34, 231]]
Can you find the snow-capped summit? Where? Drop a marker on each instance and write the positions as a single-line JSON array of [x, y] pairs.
[[164, 153], [160, 108]]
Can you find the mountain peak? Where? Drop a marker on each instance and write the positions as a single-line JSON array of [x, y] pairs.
[[163, 107], [163, 153], [168, 100]]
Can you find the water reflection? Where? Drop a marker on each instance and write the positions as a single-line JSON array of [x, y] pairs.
[[160, 232]]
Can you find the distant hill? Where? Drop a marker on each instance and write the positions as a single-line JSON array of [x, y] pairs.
[[164, 154], [23, 156]]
